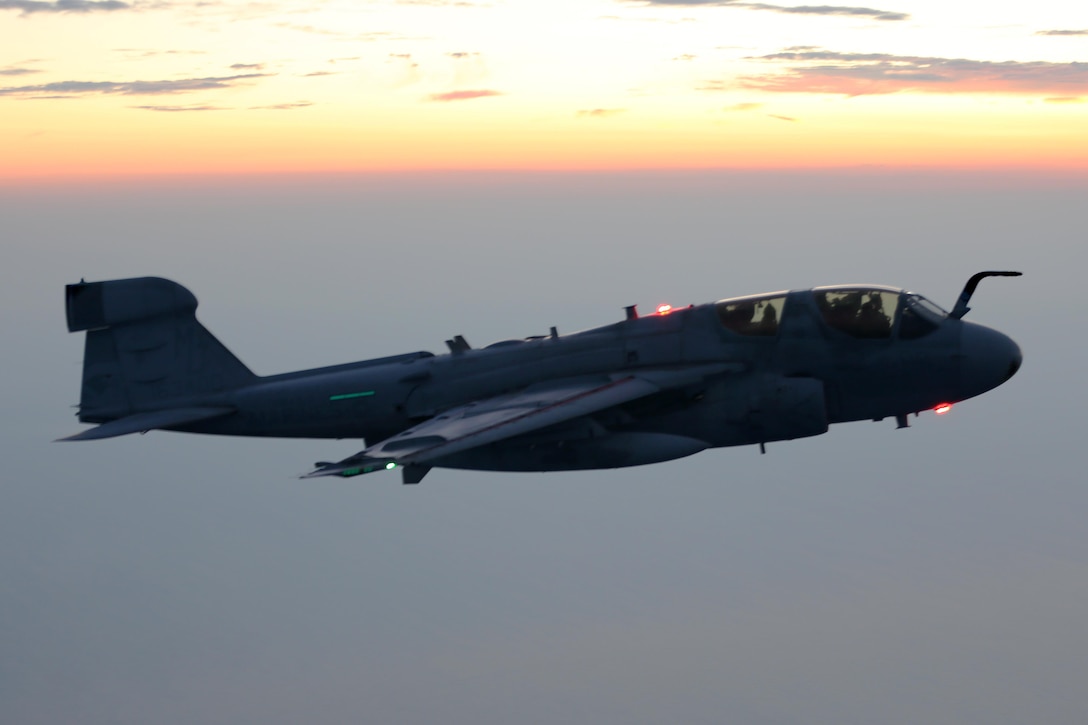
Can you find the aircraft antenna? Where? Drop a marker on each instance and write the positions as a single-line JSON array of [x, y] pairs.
[[961, 307]]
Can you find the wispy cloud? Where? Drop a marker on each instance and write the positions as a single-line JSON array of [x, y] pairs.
[[848, 11], [717, 85], [205, 107], [139, 53], [462, 95], [1064, 99], [856, 74], [600, 112], [630, 19], [247, 66], [17, 71], [469, 68], [743, 107], [1062, 32], [28, 7], [312, 30], [282, 106], [781, 118], [400, 70], [63, 89], [856, 12], [176, 109], [444, 3], [365, 37]]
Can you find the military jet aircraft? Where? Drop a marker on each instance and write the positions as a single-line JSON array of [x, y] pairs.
[[650, 388]]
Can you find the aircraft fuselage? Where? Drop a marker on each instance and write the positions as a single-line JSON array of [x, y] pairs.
[[862, 378]]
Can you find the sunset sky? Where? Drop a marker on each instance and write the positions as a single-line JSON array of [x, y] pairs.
[[113, 87], [342, 180]]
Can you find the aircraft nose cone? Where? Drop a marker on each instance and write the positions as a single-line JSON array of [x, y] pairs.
[[989, 358]]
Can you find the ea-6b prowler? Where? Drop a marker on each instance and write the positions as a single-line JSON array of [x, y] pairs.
[[747, 370]]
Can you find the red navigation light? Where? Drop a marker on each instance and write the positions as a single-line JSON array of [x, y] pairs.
[[664, 309], [942, 408]]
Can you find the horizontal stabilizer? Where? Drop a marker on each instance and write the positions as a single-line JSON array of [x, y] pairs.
[[141, 422]]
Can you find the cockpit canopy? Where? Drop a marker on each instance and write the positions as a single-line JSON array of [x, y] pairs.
[[872, 312], [859, 312], [866, 312], [918, 316], [758, 315]]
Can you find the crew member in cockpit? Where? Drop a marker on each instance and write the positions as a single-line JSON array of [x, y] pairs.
[[872, 322], [768, 323]]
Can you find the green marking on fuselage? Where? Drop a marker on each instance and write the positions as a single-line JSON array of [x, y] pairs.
[[349, 396]]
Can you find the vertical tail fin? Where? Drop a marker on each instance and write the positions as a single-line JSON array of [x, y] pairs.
[[145, 349]]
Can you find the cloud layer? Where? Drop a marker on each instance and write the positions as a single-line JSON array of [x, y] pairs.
[[462, 95], [848, 11], [63, 6], [126, 88], [856, 74], [599, 112]]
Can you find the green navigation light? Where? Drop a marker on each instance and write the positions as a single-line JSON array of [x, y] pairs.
[[390, 466], [349, 396]]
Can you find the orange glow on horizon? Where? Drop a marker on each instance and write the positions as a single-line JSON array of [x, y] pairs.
[[492, 133], [232, 146]]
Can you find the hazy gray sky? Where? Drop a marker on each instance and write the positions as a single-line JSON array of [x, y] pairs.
[[933, 575]]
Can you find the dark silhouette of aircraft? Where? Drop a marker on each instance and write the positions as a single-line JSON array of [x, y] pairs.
[[741, 371]]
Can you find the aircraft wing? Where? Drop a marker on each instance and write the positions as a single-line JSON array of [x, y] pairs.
[[494, 419]]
